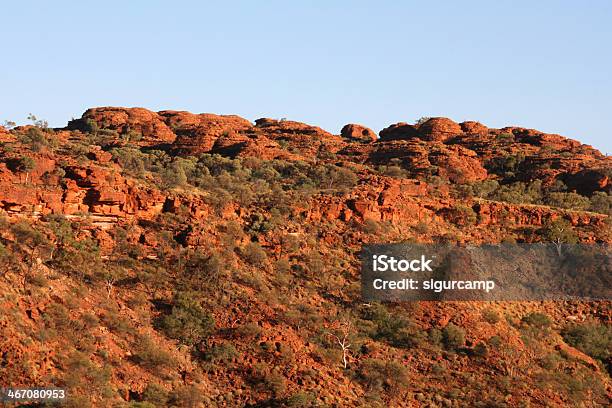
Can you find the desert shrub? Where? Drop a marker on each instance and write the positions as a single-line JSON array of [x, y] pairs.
[[421, 227], [254, 254], [187, 396], [83, 375], [155, 394], [173, 176], [393, 171], [550, 361], [57, 316], [314, 263], [301, 400], [132, 160], [434, 336], [601, 202], [567, 200], [282, 266], [290, 243], [220, 353], [495, 341], [491, 316], [453, 337], [590, 338], [484, 188], [204, 267], [383, 376], [25, 234], [302, 316], [188, 322], [537, 320], [22, 165], [394, 329], [37, 139], [267, 380], [150, 355], [259, 224], [518, 193], [505, 166], [6, 259], [249, 331], [78, 258], [480, 350], [116, 323], [334, 177], [463, 215]]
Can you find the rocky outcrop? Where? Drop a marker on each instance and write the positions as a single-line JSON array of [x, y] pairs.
[[137, 125], [358, 133], [197, 134], [302, 139], [439, 129], [283, 128], [421, 158], [474, 128], [251, 145], [398, 131], [458, 164]]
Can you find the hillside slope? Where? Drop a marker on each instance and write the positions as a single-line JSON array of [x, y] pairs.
[[177, 259]]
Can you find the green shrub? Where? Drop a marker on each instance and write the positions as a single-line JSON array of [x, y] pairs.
[[22, 165], [132, 160], [188, 322], [601, 202], [220, 353], [254, 254], [453, 337], [151, 356], [37, 139], [301, 400], [155, 394], [590, 338], [463, 215], [187, 396], [537, 320], [491, 316], [268, 380], [383, 376], [480, 350], [249, 331], [567, 200], [393, 328]]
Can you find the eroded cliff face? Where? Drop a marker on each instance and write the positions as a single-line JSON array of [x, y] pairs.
[[459, 153], [305, 197]]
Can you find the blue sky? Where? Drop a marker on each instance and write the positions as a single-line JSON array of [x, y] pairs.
[[544, 65]]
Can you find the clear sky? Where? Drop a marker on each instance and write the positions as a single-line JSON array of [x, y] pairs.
[[538, 64]]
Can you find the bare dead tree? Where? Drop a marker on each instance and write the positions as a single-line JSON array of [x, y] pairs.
[[341, 337]]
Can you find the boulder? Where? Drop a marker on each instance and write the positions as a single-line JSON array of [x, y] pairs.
[[358, 133], [439, 129], [398, 131], [474, 128]]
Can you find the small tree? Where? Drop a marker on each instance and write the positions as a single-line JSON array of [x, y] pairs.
[[558, 232]]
